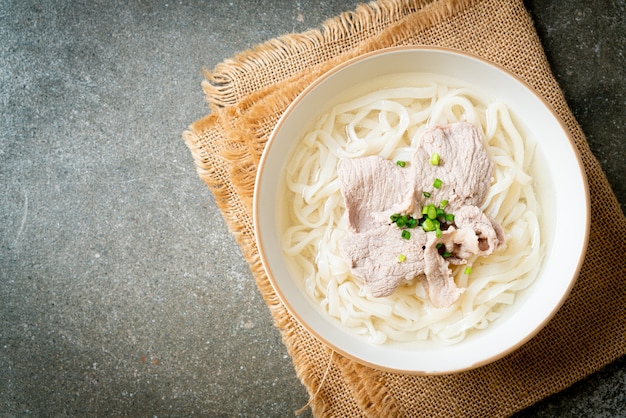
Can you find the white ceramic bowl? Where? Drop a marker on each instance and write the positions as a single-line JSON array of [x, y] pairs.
[[565, 197]]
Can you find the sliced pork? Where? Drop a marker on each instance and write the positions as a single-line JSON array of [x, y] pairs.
[[373, 257], [464, 168], [439, 283], [477, 233], [375, 188]]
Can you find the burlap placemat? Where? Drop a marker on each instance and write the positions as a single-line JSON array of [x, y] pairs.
[[247, 95]]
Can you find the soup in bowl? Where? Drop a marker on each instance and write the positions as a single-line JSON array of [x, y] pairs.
[[421, 210]]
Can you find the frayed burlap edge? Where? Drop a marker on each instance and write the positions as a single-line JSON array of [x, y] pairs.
[[235, 78], [222, 142]]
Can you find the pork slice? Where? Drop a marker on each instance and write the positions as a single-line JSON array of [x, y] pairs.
[[373, 257], [464, 169], [449, 240], [476, 232], [373, 188], [439, 283]]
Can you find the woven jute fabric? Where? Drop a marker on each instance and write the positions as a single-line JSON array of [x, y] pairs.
[[248, 93]]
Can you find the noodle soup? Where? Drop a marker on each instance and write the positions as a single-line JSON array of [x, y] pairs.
[[299, 220], [387, 116]]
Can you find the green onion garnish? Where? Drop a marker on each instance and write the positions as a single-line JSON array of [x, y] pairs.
[[401, 258], [468, 270], [434, 159], [428, 225], [404, 221], [437, 183], [432, 218], [432, 212], [446, 254], [401, 163], [426, 194]]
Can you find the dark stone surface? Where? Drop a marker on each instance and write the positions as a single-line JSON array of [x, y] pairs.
[[121, 291]]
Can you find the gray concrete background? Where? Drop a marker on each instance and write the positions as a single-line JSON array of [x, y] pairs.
[[121, 291]]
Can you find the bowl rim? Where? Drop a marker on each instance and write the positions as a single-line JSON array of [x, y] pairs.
[[296, 314]]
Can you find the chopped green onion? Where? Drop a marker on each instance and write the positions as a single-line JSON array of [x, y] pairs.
[[446, 254], [468, 270], [425, 210], [426, 194], [449, 217], [438, 233], [443, 204], [406, 234], [428, 225], [404, 221], [434, 159], [439, 245], [440, 212], [437, 183], [401, 163], [402, 258], [432, 212]]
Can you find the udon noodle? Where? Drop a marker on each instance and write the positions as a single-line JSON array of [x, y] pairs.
[[387, 119]]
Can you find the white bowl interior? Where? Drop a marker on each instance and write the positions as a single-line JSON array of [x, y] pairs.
[[561, 187]]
